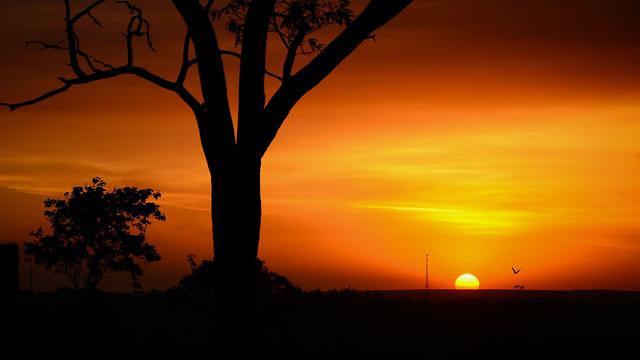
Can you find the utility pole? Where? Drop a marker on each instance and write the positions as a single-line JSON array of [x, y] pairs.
[[30, 278], [426, 272]]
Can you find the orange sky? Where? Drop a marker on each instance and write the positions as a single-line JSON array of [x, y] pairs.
[[489, 133]]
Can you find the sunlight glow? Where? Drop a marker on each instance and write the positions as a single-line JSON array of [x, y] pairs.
[[465, 220]]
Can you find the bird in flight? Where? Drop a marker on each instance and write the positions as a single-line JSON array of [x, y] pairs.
[[515, 271]]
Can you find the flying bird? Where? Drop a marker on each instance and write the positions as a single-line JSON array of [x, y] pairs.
[[515, 271]]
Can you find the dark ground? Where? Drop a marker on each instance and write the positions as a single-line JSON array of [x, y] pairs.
[[441, 323]]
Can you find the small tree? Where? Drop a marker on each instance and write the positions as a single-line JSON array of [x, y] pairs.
[[95, 231]]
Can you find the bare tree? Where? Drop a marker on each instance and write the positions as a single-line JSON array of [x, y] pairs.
[[234, 162]]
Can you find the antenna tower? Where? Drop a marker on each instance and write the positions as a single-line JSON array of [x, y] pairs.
[[426, 272]]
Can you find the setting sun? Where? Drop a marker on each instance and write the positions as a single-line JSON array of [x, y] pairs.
[[467, 282]]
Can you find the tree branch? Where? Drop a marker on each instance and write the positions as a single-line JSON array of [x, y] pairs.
[[102, 75], [138, 26], [216, 129], [376, 14], [86, 11], [251, 97], [184, 68], [292, 51], [237, 55], [71, 37], [276, 29], [88, 58], [13, 107]]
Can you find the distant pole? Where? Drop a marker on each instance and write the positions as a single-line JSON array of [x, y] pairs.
[[30, 278], [426, 272]]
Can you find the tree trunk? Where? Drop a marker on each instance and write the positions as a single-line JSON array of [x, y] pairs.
[[236, 215]]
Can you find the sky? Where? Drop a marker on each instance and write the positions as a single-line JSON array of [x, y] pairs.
[[487, 133]]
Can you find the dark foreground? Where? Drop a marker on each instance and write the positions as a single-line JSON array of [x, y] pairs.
[[437, 324]]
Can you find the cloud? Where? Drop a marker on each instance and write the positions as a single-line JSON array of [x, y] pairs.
[[46, 175]]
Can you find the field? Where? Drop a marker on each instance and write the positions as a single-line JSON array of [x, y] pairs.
[[434, 324]]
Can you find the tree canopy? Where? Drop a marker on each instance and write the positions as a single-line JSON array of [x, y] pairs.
[[95, 231]]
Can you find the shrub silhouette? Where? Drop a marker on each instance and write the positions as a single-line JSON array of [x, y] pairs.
[[95, 231], [267, 282]]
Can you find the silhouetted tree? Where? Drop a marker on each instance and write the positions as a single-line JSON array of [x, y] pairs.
[[95, 231], [234, 155]]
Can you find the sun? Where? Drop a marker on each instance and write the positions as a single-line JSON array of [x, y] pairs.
[[467, 282]]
